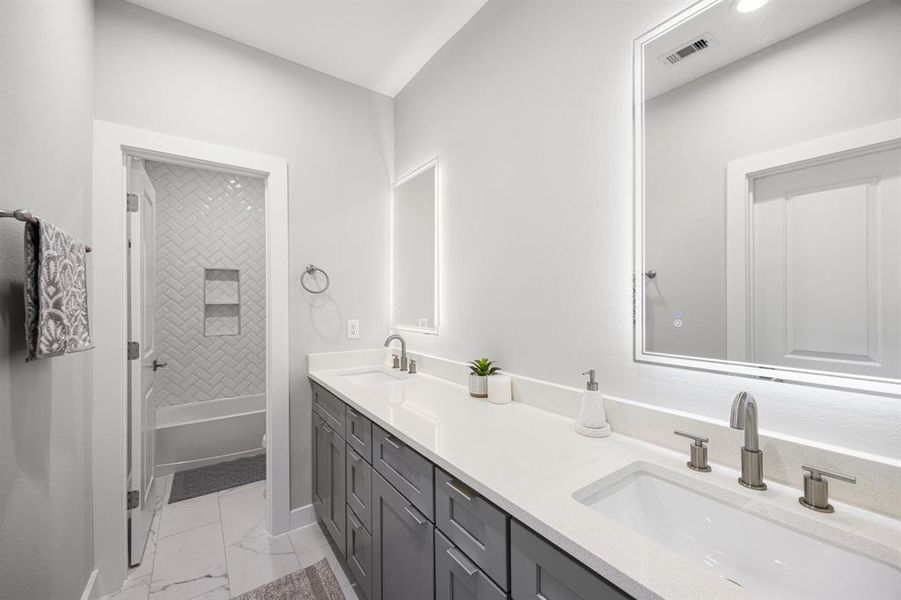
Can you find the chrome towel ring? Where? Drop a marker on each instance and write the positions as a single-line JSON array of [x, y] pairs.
[[311, 270]]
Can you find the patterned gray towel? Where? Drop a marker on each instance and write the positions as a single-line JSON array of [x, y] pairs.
[[56, 293]]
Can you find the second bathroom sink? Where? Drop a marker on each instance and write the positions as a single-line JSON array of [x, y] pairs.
[[769, 559]]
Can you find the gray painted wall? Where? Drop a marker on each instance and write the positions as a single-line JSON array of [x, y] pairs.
[[529, 110], [45, 165], [159, 74]]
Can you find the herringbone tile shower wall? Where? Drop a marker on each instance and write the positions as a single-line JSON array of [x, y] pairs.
[[208, 219]]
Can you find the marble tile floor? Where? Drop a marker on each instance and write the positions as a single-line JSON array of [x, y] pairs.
[[215, 547]]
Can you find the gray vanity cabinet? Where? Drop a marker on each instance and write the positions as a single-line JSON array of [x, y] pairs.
[[539, 571], [473, 524], [407, 470], [330, 408], [359, 554], [359, 488], [329, 484], [403, 546], [458, 578], [359, 433]]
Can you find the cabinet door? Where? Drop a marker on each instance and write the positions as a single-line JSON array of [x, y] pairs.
[[539, 571], [359, 554], [336, 519], [358, 433], [405, 469], [329, 407], [359, 487], [403, 546], [473, 524], [322, 473], [458, 578]]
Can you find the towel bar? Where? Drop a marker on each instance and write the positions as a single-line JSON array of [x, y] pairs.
[[25, 216]]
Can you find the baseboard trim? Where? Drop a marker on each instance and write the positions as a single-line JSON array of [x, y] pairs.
[[303, 516], [91, 592]]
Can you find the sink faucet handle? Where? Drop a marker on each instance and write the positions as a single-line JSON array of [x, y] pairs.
[[816, 489], [817, 473], [396, 361], [412, 370], [699, 441], [698, 451]]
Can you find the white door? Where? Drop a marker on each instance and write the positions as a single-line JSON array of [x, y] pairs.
[[827, 265], [141, 400]]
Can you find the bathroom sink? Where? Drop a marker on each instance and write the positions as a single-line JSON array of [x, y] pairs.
[[373, 377], [769, 559]]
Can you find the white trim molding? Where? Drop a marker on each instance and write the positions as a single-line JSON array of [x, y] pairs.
[[737, 182], [91, 590], [112, 142], [302, 517]]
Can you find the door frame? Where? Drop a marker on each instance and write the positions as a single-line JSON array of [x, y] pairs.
[[740, 177], [109, 307]]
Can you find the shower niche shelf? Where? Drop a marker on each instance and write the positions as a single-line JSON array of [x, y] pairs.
[[221, 302]]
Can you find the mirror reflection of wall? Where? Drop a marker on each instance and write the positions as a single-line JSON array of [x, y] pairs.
[[809, 277], [414, 251]]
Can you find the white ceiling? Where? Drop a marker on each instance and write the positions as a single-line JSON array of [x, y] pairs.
[[736, 36], [378, 44]]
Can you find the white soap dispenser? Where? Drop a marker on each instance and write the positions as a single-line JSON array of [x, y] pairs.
[[592, 420]]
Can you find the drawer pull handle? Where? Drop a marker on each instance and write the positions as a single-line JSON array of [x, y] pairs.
[[327, 429], [353, 521], [413, 513], [467, 565], [354, 457], [352, 412], [462, 489], [394, 442]]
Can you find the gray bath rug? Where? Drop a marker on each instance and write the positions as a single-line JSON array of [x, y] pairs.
[[218, 477], [316, 582]]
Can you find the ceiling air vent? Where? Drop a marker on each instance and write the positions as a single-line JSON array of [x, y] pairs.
[[693, 47]]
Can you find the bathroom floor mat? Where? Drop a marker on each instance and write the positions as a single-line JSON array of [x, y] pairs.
[[316, 582], [218, 477]]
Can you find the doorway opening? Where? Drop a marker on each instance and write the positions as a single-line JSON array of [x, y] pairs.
[[196, 258]]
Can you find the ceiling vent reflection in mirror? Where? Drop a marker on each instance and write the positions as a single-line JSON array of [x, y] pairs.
[[682, 52]]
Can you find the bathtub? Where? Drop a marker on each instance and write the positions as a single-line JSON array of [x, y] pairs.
[[204, 433]]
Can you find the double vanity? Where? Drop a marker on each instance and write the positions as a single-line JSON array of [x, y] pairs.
[[428, 493]]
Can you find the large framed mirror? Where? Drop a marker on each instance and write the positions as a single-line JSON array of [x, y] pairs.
[[414, 251], [768, 191]]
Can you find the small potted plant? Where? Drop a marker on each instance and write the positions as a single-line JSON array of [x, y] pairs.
[[481, 369]]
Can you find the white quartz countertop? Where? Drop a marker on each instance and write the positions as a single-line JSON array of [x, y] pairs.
[[529, 462]]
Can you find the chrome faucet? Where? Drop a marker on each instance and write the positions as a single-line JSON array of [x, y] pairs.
[[744, 416], [403, 350]]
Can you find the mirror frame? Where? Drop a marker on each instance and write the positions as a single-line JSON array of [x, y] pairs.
[[859, 383], [393, 320]]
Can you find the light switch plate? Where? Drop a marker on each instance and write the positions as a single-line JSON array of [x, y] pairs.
[[353, 329]]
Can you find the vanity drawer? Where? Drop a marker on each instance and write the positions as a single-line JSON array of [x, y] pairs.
[[359, 433], [359, 554], [540, 571], [405, 469], [330, 408], [458, 578], [475, 525], [359, 487]]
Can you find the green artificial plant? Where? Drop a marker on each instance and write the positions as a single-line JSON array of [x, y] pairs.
[[483, 367]]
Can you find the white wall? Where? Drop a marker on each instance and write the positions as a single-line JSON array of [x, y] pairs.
[[825, 80], [160, 74], [529, 110], [46, 66], [208, 219]]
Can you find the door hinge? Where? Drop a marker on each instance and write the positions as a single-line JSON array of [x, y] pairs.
[[134, 350], [131, 202], [132, 500]]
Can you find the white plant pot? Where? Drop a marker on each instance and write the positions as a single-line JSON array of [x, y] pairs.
[[478, 385]]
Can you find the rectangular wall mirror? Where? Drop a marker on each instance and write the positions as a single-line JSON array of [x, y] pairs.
[[414, 251], [768, 191]]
